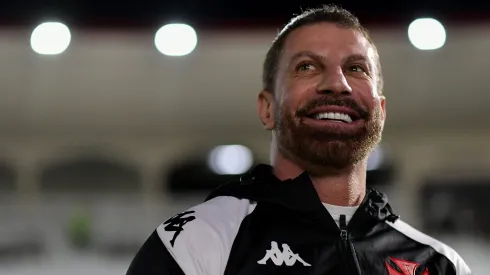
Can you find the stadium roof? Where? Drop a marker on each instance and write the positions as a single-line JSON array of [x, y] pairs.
[[227, 13]]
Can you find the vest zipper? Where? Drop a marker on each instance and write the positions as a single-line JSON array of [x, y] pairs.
[[348, 250]]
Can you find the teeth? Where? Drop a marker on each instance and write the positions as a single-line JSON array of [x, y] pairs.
[[336, 116]]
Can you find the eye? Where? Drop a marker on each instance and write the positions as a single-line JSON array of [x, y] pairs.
[[305, 67], [358, 69]]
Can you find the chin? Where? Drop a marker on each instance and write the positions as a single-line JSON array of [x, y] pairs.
[[338, 153]]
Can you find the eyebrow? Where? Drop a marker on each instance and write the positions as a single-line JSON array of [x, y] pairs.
[[356, 58], [308, 54], [351, 58]]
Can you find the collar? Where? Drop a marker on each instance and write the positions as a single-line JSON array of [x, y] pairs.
[[299, 195]]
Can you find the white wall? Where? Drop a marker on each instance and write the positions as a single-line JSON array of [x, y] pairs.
[[107, 82]]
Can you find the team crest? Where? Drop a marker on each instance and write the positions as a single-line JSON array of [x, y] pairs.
[[403, 267]]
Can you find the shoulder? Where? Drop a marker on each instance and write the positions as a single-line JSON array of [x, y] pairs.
[[440, 247], [200, 238], [219, 217]]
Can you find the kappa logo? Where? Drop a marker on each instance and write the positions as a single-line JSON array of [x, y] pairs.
[[177, 222], [278, 257], [406, 267]]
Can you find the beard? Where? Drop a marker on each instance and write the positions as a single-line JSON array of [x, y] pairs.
[[328, 147]]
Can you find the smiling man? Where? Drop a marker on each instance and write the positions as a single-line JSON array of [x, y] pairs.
[[309, 212], [324, 104]]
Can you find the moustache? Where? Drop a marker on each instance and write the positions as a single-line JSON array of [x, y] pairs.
[[328, 101]]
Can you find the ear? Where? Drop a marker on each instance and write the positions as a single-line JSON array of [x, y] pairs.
[[266, 108], [382, 101]]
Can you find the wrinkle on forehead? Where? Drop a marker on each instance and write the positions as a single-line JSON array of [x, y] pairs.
[[327, 38]]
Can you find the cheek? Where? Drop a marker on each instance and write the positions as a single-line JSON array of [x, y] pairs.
[[366, 92], [374, 89], [299, 93], [287, 99]]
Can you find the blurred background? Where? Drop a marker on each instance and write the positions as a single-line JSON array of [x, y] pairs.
[[115, 115]]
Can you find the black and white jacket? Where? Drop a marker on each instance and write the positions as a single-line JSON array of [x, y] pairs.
[[264, 226]]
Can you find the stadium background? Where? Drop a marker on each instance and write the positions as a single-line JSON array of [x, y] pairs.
[[104, 141]]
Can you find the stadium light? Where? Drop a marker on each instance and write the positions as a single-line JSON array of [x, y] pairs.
[[427, 34], [50, 38], [230, 159], [176, 39]]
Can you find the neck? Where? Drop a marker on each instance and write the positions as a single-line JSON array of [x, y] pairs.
[[346, 187]]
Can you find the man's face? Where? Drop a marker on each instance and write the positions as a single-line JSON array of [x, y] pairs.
[[327, 108]]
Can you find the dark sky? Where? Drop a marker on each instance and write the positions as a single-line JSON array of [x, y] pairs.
[[226, 13]]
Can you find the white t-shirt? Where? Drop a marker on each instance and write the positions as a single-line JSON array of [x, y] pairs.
[[335, 211]]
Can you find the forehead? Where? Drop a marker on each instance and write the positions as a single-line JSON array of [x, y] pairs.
[[327, 39]]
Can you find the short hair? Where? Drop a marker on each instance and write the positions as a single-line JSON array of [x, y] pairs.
[[327, 13]]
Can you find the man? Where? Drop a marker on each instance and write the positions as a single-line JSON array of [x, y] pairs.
[[310, 212]]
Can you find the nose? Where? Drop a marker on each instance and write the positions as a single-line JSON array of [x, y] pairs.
[[334, 82]]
